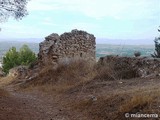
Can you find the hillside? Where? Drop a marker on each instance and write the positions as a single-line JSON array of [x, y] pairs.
[[114, 88], [80, 60], [80, 91]]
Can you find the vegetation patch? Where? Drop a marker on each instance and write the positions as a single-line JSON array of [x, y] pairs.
[[115, 68], [136, 103], [65, 76], [13, 58]]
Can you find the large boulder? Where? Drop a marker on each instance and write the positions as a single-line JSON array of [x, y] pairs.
[[74, 44]]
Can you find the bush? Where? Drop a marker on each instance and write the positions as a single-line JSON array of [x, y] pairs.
[[26, 56], [137, 53], [157, 48], [13, 58]]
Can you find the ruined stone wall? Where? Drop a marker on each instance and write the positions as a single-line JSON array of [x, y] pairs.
[[145, 67], [74, 44]]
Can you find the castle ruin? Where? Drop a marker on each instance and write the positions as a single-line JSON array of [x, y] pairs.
[[74, 44]]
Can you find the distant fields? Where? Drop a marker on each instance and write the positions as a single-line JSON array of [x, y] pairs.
[[101, 49], [123, 50]]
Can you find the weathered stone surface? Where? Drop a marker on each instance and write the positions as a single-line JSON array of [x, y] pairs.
[[72, 44], [146, 67], [20, 71]]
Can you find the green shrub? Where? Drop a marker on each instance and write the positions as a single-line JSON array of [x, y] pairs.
[[137, 53], [14, 58], [26, 56], [157, 47]]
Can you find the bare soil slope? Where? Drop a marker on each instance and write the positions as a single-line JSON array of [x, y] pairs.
[[92, 100]]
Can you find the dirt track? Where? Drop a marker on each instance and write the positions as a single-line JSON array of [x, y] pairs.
[[36, 105], [28, 106]]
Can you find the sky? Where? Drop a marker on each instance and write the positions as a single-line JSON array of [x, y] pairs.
[[109, 19]]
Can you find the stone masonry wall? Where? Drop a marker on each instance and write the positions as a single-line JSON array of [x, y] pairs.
[[74, 44], [145, 67]]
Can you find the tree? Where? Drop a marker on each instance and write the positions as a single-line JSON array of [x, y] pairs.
[[137, 53], [15, 8], [10, 60], [26, 56], [13, 58], [157, 47]]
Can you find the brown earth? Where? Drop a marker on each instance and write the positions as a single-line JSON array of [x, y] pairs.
[[92, 100]]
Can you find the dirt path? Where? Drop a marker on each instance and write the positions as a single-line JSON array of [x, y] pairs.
[[29, 106], [36, 105]]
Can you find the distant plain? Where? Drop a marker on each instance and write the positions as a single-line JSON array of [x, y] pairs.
[[101, 49]]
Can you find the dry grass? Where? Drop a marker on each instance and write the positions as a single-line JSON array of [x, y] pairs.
[[104, 108], [6, 80], [114, 106], [76, 72], [3, 82], [144, 102], [115, 69], [65, 76], [106, 72], [114, 99], [136, 104]]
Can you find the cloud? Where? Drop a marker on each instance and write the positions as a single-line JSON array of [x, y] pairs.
[[84, 26], [39, 5], [108, 18], [118, 9], [18, 30]]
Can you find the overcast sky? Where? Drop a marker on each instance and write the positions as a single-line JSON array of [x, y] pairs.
[[113, 19]]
